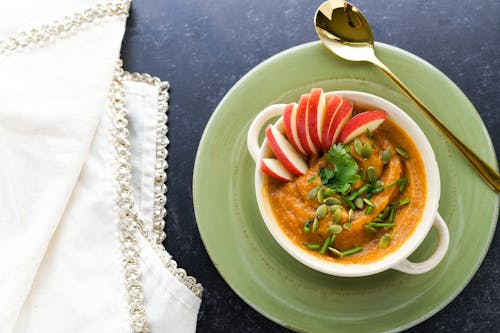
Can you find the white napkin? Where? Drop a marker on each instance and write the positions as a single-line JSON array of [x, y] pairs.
[[62, 229]]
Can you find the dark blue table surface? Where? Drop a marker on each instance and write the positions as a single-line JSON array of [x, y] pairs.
[[203, 47]]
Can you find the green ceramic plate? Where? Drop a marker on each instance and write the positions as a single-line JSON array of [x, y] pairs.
[[286, 291]]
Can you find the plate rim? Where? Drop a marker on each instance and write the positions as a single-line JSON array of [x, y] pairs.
[[395, 49]]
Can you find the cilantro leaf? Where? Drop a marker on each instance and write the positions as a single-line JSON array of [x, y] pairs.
[[345, 170], [326, 175]]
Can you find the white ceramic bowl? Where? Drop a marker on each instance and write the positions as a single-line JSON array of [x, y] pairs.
[[396, 259]]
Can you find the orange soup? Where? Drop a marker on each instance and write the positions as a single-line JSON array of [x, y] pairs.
[[358, 221]]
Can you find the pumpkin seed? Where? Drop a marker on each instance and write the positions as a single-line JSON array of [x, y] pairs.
[[350, 214], [384, 241], [402, 152], [369, 202], [347, 225], [370, 230], [331, 201], [321, 211], [362, 174], [335, 207], [359, 203], [321, 195], [335, 229], [325, 245], [358, 146], [315, 224], [366, 151], [346, 189], [313, 192], [336, 215], [312, 246], [371, 174], [386, 156], [335, 251]]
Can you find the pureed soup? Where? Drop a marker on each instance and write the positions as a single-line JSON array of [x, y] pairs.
[[356, 202]]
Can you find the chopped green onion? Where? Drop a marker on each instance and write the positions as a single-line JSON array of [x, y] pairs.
[[384, 213], [325, 245], [368, 210], [352, 251], [391, 215], [403, 184], [400, 203], [360, 191], [381, 225], [312, 246], [306, 225]]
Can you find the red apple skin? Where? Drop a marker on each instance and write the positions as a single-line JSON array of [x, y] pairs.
[[358, 124], [302, 123], [332, 107], [290, 123], [284, 152], [272, 167], [316, 116], [342, 116]]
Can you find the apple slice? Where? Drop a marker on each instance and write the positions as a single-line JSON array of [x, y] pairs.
[[332, 106], [284, 152], [290, 123], [369, 120], [274, 168], [316, 116], [303, 128], [342, 116]]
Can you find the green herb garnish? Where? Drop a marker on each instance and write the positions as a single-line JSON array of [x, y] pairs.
[[345, 172]]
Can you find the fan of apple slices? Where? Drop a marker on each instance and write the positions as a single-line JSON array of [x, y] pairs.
[[311, 127]]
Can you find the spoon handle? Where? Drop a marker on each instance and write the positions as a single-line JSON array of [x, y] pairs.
[[490, 175]]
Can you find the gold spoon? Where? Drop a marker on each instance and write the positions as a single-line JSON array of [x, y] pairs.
[[344, 30]]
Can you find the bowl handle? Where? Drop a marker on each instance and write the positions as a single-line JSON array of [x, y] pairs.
[[253, 132], [409, 267]]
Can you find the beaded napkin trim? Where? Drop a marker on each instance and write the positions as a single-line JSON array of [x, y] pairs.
[[67, 25], [158, 235], [130, 222]]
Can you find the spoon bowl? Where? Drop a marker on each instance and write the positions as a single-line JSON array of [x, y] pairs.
[[344, 30]]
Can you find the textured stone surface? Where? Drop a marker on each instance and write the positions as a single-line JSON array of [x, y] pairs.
[[204, 47]]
